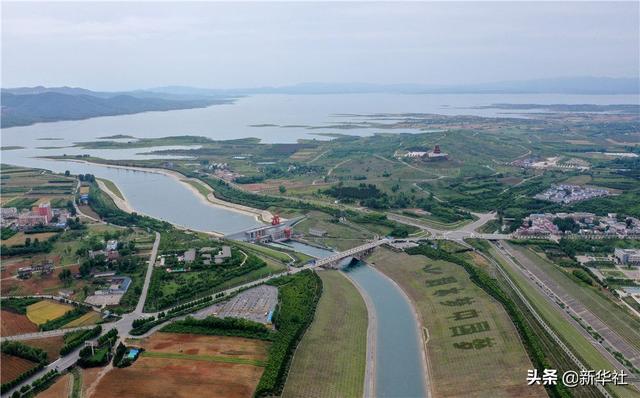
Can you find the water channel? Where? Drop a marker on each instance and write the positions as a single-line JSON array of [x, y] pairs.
[[399, 365]]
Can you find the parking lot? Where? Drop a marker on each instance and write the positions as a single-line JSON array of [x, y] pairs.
[[256, 304]]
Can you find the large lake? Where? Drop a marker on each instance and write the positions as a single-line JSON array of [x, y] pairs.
[[398, 369], [164, 198]]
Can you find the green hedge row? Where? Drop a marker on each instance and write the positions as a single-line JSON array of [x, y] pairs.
[[298, 298], [17, 349], [221, 327], [69, 316], [74, 339]]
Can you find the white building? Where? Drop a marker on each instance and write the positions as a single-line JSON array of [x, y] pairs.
[[627, 256]]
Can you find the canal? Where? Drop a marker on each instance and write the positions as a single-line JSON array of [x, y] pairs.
[[399, 368]]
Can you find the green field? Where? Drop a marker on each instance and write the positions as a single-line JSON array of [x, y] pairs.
[[341, 236], [579, 345], [616, 317], [461, 363], [330, 360]]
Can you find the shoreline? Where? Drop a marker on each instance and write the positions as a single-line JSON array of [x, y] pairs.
[[210, 200], [125, 206]]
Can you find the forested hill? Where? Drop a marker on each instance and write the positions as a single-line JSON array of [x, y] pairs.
[[50, 106]]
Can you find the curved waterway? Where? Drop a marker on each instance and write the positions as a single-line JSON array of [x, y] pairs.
[[399, 368], [156, 195]]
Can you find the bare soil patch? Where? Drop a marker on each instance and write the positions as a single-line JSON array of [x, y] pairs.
[[37, 284], [12, 324], [11, 367], [194, 344], [51, 345], [60, 388], [179, 378]]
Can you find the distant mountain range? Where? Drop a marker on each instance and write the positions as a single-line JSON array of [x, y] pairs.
[[27, 105], [574, 85]]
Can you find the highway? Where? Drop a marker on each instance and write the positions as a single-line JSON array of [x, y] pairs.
[[466, 231]]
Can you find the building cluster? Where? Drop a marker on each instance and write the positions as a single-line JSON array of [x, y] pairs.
[[435, 154], [41, 215], [43, 268], [627, 256], [183, 262], [110, 251], [590, 225], [114, 287], [551, 163], [269, 233], [565, 193]]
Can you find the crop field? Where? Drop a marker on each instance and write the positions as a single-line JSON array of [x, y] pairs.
[[12, 324], [183, 365], [330, 360], [59, 389], [471, 339], [24, 187], [196, 344], [46, 310], [50, 345], [19, 238], [90, 318], [12, 367]]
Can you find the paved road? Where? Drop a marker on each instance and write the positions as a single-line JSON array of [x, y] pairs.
[[147, 278], [609, 334], [536, 315], [48, 333], [459, 234], [552, 299]]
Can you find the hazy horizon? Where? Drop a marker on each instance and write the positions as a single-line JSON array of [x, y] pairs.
[[124, 46]]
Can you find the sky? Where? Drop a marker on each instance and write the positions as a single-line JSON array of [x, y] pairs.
[[119, 46]]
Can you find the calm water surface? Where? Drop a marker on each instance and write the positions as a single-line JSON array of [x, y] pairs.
[[166, 199], [399, 367]]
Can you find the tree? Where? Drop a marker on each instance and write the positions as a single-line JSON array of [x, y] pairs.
[[65, 275], [27, 242], [282, 189]]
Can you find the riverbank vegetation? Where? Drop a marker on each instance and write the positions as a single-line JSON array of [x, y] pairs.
[[298, 296], [463, 324], [331, 358], [103, 205]]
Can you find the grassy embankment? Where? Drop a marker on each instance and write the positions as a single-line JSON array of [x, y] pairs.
[[461, 363], [615, 316], [330, 360], [112, 187], [579, 345]]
